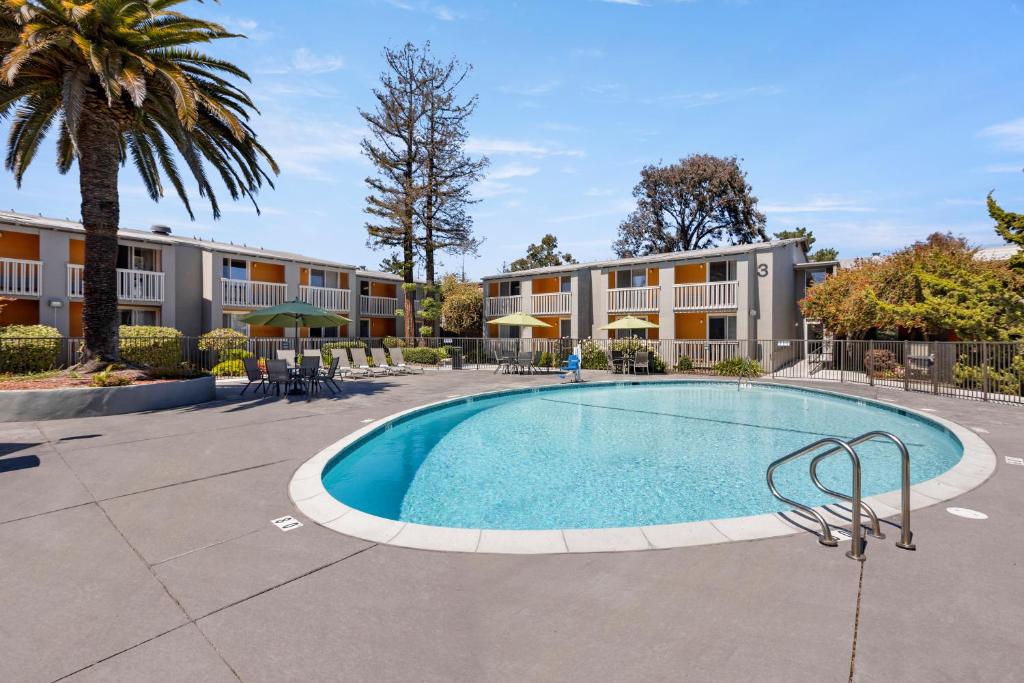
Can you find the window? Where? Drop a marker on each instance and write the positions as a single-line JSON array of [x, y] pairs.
[[233, 321], [138, 317], [565, 285], [565, 328], [364, 290], [138, 258], [317, 278], [513, 288], [235, 269], [364, 328], [722, 271], [636, 277], [323, 332], [722, 327]]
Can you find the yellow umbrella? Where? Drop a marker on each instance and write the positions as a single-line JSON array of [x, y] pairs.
[[519, 320], [630, 323]]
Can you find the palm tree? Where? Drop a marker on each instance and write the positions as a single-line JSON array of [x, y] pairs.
[[120, 80]]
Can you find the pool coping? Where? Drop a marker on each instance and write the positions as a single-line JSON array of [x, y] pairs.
[[309, 495]]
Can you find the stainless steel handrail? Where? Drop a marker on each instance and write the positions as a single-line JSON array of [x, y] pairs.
[[905, 533], [826, 538]]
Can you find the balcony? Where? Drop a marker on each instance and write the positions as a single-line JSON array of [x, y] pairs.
[[706, 296], [634, 300], [498, 306], [327, 298], [19, 277], [252, 293], [136, 286], [378, 306], [559, 303]]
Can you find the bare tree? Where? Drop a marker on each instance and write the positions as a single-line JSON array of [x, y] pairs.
[[693, 204]]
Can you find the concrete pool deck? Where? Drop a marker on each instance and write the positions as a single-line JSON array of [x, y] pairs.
[[140, 547]]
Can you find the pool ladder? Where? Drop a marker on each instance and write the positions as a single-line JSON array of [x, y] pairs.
[[856, 551]]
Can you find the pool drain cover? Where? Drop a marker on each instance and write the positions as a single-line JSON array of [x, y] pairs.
[[967, 513]]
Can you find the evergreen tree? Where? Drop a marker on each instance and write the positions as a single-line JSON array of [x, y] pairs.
[[542, 255], [1010, 227]]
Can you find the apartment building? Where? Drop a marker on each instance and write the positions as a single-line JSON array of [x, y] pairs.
[[743, 292], [191, 284]]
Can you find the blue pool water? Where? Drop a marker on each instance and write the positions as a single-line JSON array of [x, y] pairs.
[[621, 455]]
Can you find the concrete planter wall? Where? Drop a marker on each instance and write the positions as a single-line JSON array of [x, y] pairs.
[[60, 404]]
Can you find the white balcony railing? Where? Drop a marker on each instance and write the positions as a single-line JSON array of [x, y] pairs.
[[559, 303], [141, 286], [252, 293], [503, 305], [327, 298], [21, 277], [380, 306], [705, 353], [705, 296], [634, 299]]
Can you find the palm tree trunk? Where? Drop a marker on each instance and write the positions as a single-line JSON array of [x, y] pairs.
[[99, 161]]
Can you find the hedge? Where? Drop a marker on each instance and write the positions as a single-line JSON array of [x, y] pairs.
[[151, 347], [423, 355], [732, 367], [29, 348], [230, 364], [325, 349], [224, 341]]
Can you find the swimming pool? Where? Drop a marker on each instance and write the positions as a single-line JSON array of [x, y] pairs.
[[619, 455]]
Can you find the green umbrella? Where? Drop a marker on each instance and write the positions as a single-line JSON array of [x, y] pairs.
[[630, 323], [519, 320], [295, 313]]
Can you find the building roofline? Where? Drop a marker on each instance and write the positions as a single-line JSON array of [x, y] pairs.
[[691, 255]]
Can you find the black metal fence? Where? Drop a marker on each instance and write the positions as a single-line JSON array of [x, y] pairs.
[[990, 371]]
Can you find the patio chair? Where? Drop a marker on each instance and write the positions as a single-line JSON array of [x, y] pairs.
[[524, 362], [287, 355], [641, 361], [309, 372], [254, 374], [328, 376], [617, 363], [380, 360], [398, 358], [278, 374], [502, 362], [360, 361], [311, 352]]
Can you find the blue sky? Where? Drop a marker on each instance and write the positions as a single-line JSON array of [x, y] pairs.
[[872, 123]]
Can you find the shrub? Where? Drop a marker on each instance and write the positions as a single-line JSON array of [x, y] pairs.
[[1010, 381], [325, 349], [223, 341], [423, 356], [233, 354], [174, 373], [658, 363], [228, 368], [594, 357], [111, 378], [881, 361], [732, 367], [28, 348], [685, 364], [392, 342], [154, 347]]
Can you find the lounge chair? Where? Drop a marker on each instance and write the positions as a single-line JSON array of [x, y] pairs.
[[360, 361], [278, 374], [328, 376], [380, 360], [345, 368], [287, 355], [398, 358], [641, 360], [311, 352], [254, 374]]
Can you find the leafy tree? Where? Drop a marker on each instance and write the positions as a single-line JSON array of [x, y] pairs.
[[933, 287], [1010, 227], [542, 255], [461, 306], [824, 254], [693, 204], [120, 80]]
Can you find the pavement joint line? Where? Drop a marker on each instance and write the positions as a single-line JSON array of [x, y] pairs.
[[856, 624], [191, 481], [120, 652], [48, 512], [205, 547]]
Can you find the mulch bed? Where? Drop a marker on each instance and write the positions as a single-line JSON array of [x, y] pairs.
[[69, 381]]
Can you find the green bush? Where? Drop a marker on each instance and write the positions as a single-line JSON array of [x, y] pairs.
[[1009, 381], [658, 363], [228, 368], [881, 361], [325, 349], [594, 357], [423, 356], [111, 378], [392, 342], [223, 341], [153, 347], [28, 348], [733, 367], [233, 354], [685, 364]]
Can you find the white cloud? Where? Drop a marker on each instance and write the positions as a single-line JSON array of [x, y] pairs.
[[603, 88], [512, 171], [530, 90], [587, 52], [599, 192], [250, 28], [819, 205], [634, 3], [513, 147], [621, 207], [305, 61], [442, 12], [963, 202], [1007, 135], [445, 13], [1004, 168], [703, 99], [309, 147]]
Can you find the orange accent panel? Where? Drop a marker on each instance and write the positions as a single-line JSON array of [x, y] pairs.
[[493, 289], [342, 280], [76, 252], [387, 289], [546, 332], [266, 272], [382, 327], [493, 331], [75, 326], [546, 285], [19, 245], [653, 277], [611, 279], [19, 311], [691, 326], [304, 277], [694, 272], [264, 331]]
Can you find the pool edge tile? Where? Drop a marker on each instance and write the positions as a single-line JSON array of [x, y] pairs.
[[683, 534], [605, 540], [423, 537], [533, 542]]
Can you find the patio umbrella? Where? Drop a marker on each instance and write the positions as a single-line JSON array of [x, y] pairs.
[[295, 313], [519, 320], [630, 323]]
